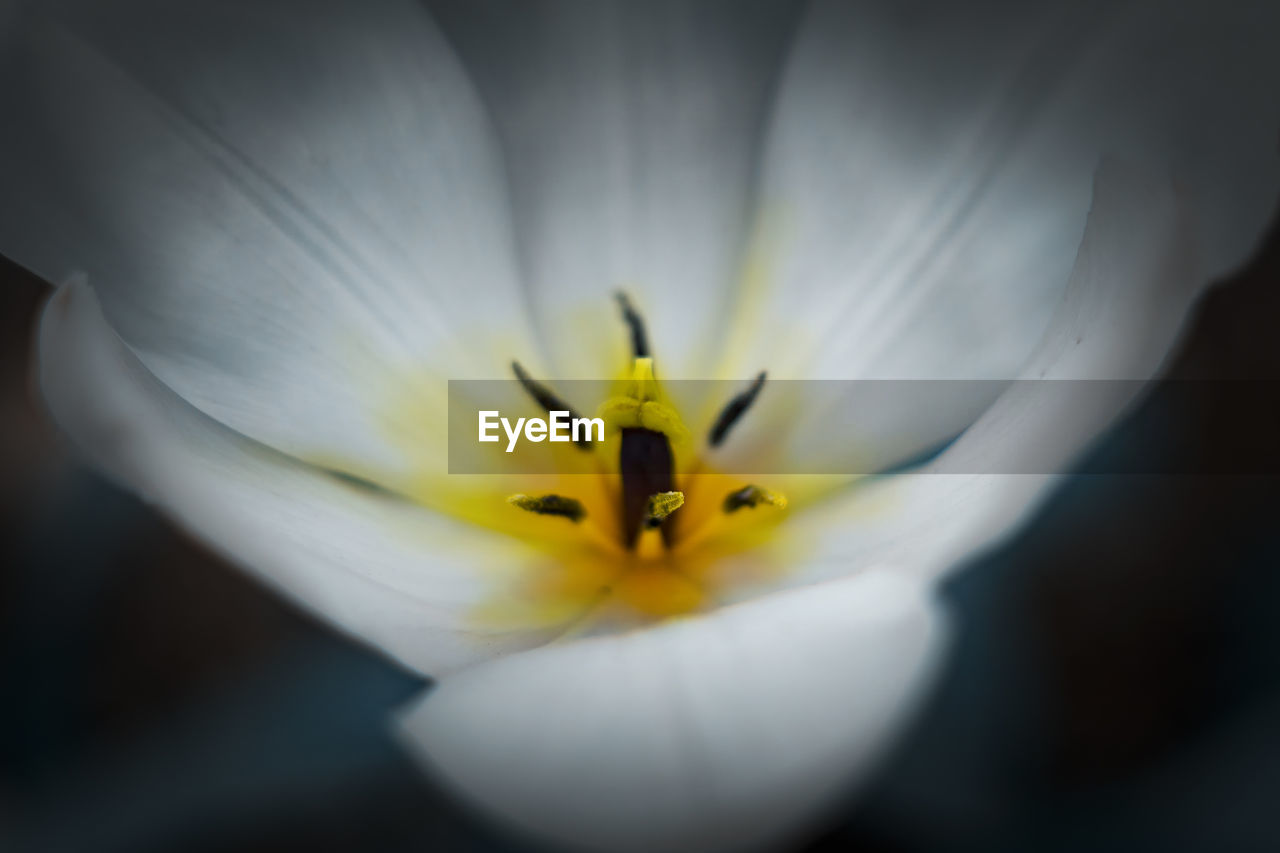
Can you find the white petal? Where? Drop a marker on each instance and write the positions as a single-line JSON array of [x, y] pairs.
[[928, 168], [1134, 278], [632, 132], [724, 732], [400, 577], [287, 208]]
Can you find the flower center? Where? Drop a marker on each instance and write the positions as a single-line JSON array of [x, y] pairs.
[[661, 532]]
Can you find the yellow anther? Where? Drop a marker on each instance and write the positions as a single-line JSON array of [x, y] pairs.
[[752, 497], [569, 508], [662, 505]]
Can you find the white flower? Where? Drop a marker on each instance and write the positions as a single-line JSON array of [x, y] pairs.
[[297, 219]]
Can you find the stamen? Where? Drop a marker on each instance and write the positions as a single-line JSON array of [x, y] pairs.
[[751, 497], [734, 410], [569, 508], [639, 339], [547, 399], [660, 506]]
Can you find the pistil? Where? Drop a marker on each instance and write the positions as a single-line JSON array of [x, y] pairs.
[[648, 427]]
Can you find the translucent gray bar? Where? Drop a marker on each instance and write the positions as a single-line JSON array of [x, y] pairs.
[[869, 427]]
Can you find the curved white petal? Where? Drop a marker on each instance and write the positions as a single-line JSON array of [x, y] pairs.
[[725, 732], [293, 211], [1134, 279], [928, 169], [632, 133], [402, 578]]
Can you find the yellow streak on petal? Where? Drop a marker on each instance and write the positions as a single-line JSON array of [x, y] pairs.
[[747, 320]]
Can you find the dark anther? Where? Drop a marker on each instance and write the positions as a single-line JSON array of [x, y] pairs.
[[550, 505], [639, 339], [547, 399], [750, 497], [734, 410]]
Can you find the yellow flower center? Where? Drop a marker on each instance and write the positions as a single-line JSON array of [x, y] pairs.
[[640, 523], [654, 531]]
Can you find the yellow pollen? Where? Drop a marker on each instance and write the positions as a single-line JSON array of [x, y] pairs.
[[663, 504]]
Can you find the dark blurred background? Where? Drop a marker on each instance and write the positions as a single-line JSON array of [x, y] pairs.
[[1115, 684]]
